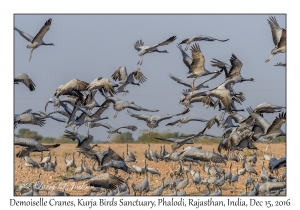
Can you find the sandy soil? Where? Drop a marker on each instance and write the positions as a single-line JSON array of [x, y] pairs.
[[53, 180]]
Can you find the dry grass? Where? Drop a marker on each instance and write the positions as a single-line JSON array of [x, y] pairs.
[[53, 180]]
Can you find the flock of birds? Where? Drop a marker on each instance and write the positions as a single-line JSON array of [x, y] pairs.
[[239, 132]]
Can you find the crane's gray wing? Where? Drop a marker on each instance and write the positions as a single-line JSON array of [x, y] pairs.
[[186, 110], [120, 74], [138, 75], [59, 119], [280, 64], [216, 119], [67, 109], [267, 107], [165, 117], [259, 120], [39, 114], [51, 100], [43, 31], [26, 36], [62, 112], [92, 125], [222, 65], [110, 155], [196, 119], [103, 107], [202, 155], [72, 117], [236, 66], [237, 117], [187, 60], [197, 66], [76, 84], [173, 123], [275, 29], [88, 98], [188, 84], [168, 41], [138, 45], [80, 119], [83, 110], [277, 123], [73, 136], [213, 77], [188, 140], [168, 139], [207, 38], [203, 100], [282, 41], [27, 142], [130, 127], [112, 99], [24, 78], [27, 111], [106, 180], [85, 144], [133, 106], [257, 132], [138, 116]]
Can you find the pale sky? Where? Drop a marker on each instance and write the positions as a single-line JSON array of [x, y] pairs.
[[90, 46]]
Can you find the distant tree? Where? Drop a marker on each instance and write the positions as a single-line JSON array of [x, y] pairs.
[[279, 139], [47, 140], [27, 133], [208, 140], [145, 138], [122, 138], [22, 131], [62, 139]]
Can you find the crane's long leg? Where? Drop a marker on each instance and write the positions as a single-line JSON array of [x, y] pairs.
[[141, 59], [223, 114], [276, 172], [149, 134], [31, 54], [20, 163], [193, 84], [272, 55], [116, 115], [234, 185], [124, 91], [268, 146]]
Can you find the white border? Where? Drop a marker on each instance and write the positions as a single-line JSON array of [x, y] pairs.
[[8, 9]]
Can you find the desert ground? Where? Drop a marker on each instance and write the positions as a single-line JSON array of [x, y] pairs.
[[53, 180]]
